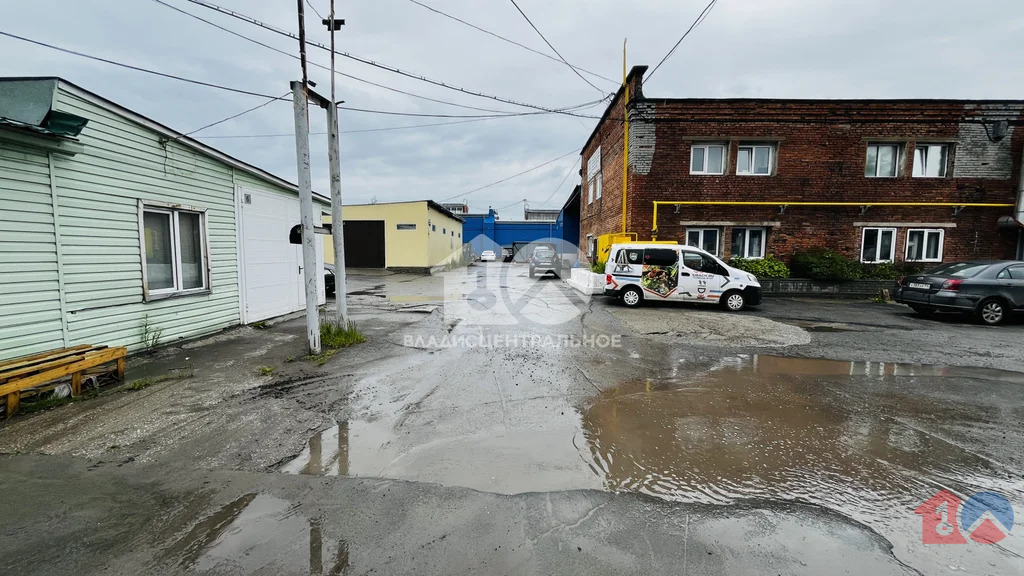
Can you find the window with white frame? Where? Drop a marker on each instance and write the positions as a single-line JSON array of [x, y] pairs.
[[748, 242], [924, 245], [594, 176], [704, 238], [591, 245], [707, 159], [878, 245], [174, 251], [882, 161], [930, 160], [755, 159]]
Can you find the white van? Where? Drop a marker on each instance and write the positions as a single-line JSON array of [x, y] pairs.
[[649, 271]]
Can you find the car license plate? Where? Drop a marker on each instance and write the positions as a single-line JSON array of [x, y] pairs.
[[922, 286]]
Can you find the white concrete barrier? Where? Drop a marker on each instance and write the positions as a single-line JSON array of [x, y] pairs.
[[586, 281]]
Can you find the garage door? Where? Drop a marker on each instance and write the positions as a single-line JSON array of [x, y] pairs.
[[364, 244], [272, 267]]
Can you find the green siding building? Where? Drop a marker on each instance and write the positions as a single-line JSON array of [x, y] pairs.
[[114, 228]]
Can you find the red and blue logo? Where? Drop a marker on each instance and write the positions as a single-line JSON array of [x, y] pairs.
[[986, 517]]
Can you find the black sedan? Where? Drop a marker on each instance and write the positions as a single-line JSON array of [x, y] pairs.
[[988, 290], [329, 279]]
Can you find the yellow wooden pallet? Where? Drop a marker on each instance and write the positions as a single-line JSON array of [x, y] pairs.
[[38, 370]]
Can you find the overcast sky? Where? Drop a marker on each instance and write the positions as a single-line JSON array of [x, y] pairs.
[[745, 48]]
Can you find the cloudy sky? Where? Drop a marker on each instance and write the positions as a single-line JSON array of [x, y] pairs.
[[745, 48]]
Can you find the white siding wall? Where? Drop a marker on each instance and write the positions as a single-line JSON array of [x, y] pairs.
[[98, 191], [30, 318]]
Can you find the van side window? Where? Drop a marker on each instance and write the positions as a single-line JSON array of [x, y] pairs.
[[660, 257], [630, 256], [701, 263]]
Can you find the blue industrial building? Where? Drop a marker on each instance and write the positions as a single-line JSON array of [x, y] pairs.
[[487, 232]]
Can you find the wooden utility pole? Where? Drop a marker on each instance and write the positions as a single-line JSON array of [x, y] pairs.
[[334, 160], [310, 272]]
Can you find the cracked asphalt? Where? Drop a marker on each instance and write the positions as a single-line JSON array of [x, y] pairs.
[[497, 424]]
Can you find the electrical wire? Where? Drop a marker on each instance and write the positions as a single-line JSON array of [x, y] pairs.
[[138, 68], [553, 49], [391, 69], [560, 184], [506, 115], [513, 42], [321, 66], [503, 180], [313, 8], [232, 117], [703, 15]]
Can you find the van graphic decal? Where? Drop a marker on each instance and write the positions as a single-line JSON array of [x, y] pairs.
[[661, 280]]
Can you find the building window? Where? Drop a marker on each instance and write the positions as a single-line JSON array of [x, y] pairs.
[[444, 230], [591, 246], [594, 176], [930, 160], [924, 245], [754, 160], [174, 251], [882, 161], [406, 226], [433, 227], [878, 245], [704, 238], [748, 242], [707, 159]]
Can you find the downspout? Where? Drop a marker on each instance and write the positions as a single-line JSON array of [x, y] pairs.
[[1019, 214], [59, 251]]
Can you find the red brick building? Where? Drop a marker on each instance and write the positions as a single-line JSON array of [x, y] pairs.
[[818, 174]]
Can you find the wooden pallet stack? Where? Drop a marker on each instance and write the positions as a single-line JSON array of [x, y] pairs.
[[42, 372]]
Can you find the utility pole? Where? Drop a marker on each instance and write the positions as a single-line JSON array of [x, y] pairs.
[[334, 159], [625, 137], [300, 106]]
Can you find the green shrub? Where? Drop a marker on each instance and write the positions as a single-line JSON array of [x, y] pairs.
[[824, 265], [767, 267], [889, 270], [597, 267]]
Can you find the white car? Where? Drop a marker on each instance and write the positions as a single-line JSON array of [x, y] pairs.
[[647, 271], [488, 256]]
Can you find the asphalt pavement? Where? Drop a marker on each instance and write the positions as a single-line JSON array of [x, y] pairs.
[[494, 423]]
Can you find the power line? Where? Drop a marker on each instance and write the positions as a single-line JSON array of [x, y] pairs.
[[232, 117], [553, 49], [503, 180], [505, 115], [513, 42], [137, 68], [704, 14], [313, 8], [567, 174], [338, 72], [391, 69]]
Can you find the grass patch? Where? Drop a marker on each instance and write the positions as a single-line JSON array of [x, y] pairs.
[[45, 404], [335, 336], [322, 358], [261, 325], [289, 360], [142, 383], [176, 374], [266, 370]]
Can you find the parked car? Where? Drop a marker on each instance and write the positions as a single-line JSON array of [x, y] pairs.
[[329, 279], [638, 272], [545, 259], [488, 256], [507, 253], [988, 290]]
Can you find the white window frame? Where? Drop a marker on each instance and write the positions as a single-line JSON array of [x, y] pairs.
[[752, 148], [706, 146], [892, 246], [917, 147], [926, 232], [594, 176], [746, 241], [590, 245], [173, 210], [718, 243], [898, 160]]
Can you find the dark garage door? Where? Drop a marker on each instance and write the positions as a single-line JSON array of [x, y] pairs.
[[364, 244]]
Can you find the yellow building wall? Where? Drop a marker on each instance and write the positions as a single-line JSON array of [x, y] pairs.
[[445, 237], [423, 247]]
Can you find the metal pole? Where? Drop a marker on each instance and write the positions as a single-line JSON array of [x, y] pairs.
[[338, 224], [309, 268], [625, 137]]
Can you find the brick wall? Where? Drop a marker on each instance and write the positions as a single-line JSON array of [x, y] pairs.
[[820, 150]]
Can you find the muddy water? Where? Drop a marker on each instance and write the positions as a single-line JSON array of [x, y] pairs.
[[870, 440]]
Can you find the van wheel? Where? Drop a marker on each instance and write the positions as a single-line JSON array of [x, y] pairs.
[[991, 312], [733, 301], [632, 297]]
